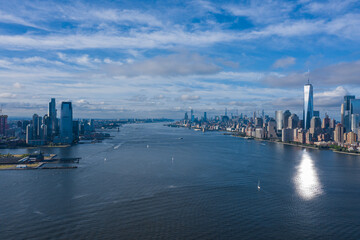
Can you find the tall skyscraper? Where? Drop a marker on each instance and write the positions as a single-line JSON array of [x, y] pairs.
[[279, 120], [192, 115], [52, 115], [3, 124], [308, 105], [66, 123], [346, 112], [355, 119], [205, 117]]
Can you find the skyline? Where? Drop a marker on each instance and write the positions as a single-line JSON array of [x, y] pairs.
[[140, 59]]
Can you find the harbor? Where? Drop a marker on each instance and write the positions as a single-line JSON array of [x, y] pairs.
[[37, 160]]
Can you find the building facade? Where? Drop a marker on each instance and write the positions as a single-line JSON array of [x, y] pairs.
[[308, 111], [66, 123]]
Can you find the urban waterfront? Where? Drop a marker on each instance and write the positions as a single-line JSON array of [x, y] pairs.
[[152, 181]]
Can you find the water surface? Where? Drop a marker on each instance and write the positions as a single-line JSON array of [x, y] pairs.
[[151, 181]]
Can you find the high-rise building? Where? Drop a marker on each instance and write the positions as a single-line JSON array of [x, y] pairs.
[[205, 117], [258, 122], [315, 126], [192, 115], [186, 117], [355, 119], [339, 134], [354, 110], [346, 112], [52, 117], [286, 116], [279, 120], [325, 122], [3, 124], [308, 105], [293, 121], [66, 123], [29, 133], [36, 125]]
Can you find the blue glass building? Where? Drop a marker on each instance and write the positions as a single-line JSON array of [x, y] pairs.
[[308, 105], [66, 123]]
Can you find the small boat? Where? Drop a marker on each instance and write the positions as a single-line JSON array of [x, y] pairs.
[[258, 186], [147, 146]]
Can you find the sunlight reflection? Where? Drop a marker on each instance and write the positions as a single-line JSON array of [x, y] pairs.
[[306, 179]]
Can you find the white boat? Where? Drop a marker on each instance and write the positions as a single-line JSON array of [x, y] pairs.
[[258, 185], [147, 146]]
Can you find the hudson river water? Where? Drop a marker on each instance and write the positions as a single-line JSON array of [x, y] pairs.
[[156, 182]]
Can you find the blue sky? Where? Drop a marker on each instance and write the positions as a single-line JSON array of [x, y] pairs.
[[161, 58]]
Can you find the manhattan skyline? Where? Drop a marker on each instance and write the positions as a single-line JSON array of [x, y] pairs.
[[139, 59]]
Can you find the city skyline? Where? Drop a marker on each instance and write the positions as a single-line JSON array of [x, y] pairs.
[[125, 59]]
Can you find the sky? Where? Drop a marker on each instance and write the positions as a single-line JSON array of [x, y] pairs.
[[124, 59]]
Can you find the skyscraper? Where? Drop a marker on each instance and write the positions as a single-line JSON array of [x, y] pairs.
[[308, 105], [286, 116], [279, 120], [3, 124], [52, 115], [339, 134], [346, 112], [192, 115], [66, 123]]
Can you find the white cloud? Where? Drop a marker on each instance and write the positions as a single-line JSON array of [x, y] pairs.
[[171, 65], [336, 74], [7, 95], [284, 62], [187, 97], [17, 85]]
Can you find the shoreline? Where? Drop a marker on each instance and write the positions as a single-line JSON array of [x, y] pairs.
[[296, 145]]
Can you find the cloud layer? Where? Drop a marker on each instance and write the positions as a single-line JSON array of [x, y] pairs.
[[160, 58]]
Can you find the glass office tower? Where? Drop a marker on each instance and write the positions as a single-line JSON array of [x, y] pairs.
[[66, 123], [347, 111], [308, 105]]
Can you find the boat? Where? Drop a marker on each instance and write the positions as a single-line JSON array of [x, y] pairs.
[[147, 146], [258, 186]]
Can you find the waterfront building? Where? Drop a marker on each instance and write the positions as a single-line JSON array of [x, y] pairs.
[[259, 133], [279, 120], [3, 125], [351, 138], [192, 115], [308, 110], [301, 137], [205, 117], [186, 117], [271, 129], [339, 134], [346, 112], [308, 138], [287, 135], [66, 123]]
